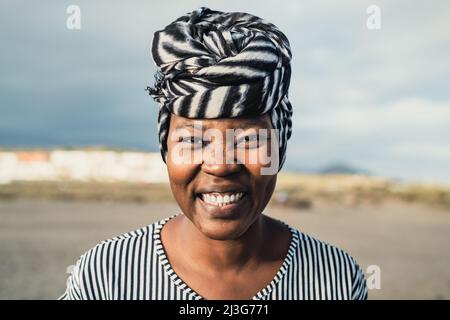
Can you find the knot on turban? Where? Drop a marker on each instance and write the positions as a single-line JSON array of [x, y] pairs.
[[214, 64]]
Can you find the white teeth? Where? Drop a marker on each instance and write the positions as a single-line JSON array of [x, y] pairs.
[[219, 200]]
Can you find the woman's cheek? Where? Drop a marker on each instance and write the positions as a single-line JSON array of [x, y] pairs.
[[258, 158], [179, 170]]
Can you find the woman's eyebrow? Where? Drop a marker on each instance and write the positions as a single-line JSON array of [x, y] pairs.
[[188, 125], [250, 123], [242, 124]]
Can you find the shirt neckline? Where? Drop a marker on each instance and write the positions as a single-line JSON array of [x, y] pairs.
[[164, 261]]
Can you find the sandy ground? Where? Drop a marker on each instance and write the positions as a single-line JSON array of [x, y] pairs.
[[410, 243]]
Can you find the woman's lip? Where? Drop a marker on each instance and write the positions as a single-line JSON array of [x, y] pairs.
[[242, 197], [224, 192], [199, 195], [228, 210]]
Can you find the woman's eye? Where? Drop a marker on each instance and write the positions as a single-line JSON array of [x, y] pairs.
[[195, 141], [248, 142]]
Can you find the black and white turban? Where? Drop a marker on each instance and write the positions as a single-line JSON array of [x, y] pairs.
[[214, 64]]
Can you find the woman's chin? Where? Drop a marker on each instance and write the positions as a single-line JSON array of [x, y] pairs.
[[222, 222], [217, 229]]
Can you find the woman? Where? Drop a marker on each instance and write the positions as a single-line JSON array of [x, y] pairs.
[[219, 72]]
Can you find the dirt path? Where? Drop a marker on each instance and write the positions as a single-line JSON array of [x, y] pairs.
[[411, 244]]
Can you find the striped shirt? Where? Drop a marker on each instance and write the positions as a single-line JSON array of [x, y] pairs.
[[134, 266]]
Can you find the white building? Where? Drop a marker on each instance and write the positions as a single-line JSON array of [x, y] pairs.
[[81, 165]]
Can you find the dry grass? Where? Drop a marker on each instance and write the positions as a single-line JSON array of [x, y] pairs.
[[355, 190], [293, 190], [87, 191]]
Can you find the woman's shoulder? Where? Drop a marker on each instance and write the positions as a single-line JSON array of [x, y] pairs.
[[324, 259], [311, 245], [147, 233], [126, 244], [105, 258]]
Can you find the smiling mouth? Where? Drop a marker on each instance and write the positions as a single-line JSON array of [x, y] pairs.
[[222, 199]]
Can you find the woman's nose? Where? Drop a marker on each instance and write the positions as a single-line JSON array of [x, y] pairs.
[[221, 170], [217, 163]]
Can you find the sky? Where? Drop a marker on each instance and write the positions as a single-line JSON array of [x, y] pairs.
[[374, 99]]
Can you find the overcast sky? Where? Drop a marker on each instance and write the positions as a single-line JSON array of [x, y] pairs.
[[375, 99]]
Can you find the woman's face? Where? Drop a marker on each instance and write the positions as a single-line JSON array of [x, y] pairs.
[[216, 174]]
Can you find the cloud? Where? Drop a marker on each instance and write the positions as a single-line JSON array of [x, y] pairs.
[[406, 138], [378, 99], [410, 116]]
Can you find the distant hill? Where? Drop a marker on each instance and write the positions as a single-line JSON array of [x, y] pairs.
[[342, 168]]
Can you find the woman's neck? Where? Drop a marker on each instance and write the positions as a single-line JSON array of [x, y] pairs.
[[221, 255]]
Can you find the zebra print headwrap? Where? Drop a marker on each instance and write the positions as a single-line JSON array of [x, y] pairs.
[[214, 64]]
